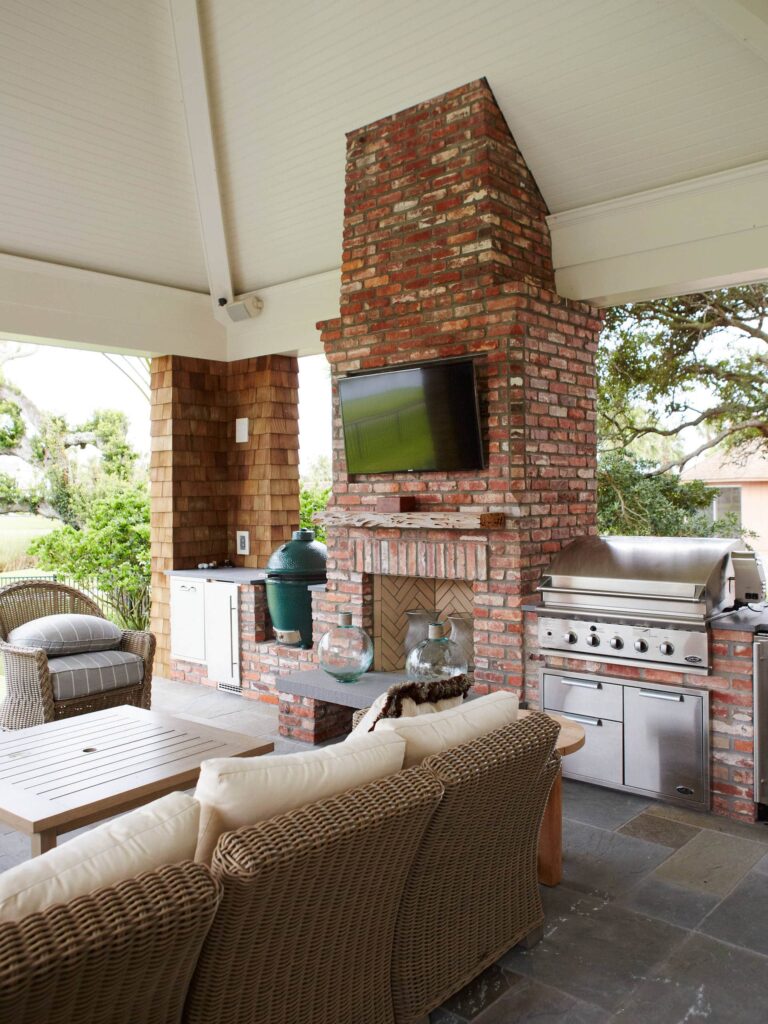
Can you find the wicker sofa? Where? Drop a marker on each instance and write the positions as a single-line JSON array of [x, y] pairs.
[[369, 908], [30, 698]]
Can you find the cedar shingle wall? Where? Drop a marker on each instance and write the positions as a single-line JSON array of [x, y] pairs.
[[203, 485]]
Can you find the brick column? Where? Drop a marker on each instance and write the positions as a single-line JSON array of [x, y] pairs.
[[203, 486]]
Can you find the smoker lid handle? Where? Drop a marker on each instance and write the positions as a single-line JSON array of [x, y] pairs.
[[546, 585]]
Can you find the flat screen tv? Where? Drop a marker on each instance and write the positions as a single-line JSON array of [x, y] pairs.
[[420, 417]]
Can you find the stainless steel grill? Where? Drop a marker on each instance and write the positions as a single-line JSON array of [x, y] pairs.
[[640, 600]]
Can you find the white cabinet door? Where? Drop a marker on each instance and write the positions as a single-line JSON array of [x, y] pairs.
[[222, 631], [187, 619]]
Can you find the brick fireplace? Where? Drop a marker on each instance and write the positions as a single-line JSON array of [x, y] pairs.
[[446, 253]]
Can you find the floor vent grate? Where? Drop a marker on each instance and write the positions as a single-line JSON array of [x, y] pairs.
[[229, 687]]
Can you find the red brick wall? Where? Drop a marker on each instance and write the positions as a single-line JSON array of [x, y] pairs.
[[447, 253], [203, 485]]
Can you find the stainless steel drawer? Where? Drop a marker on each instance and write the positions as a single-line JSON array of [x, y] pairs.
[[583, 696], [601, 758], [664, 741]]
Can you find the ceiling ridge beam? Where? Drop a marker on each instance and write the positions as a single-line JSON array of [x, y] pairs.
[[194, 92]]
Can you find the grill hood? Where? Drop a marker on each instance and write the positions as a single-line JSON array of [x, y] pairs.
[[686, 579]]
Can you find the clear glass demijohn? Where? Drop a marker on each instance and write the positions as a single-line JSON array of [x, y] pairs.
[[346, 651], [437, 657]]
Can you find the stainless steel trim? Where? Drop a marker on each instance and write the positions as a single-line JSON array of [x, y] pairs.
[[677, 697], [760, 717], [232, 660], [688, 670], [587, 685]]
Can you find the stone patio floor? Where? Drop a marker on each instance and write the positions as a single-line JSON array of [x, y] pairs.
[[662, 917]]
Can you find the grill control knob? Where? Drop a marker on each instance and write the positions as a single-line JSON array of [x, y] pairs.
[[616, 643], [569, 637], [593, 640], [641, 645], [666, 647]]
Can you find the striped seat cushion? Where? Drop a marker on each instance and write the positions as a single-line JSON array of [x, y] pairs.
[[67, 634], [79, 675]]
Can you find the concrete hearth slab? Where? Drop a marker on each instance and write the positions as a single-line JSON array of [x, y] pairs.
[[320, 686]]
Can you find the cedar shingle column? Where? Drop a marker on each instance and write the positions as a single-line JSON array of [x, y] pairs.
[[204, 486]]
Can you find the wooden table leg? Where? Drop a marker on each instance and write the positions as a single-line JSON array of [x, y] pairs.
[[42, 842], [550, 862]]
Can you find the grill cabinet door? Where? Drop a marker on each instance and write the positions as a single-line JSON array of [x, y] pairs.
[[664, 746]]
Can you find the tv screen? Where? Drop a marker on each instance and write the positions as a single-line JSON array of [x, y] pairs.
[[422, 417]]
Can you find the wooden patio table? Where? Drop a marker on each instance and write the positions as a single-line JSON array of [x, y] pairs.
[[63, 775], [550, 862]]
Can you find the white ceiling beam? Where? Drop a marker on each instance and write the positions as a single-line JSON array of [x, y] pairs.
[[706, 233], [51, 304], [745, 20], [194, 91], [287, 322]]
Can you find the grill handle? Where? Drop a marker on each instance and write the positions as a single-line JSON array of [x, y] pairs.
[[547, 587], [581, 719], [583, 683]]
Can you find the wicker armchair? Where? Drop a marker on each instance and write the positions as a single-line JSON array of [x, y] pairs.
[[29, 698], [472, 892], [120, 955], [309, 902]]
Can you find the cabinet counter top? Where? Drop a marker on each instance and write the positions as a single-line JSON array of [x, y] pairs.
[[224, 574]]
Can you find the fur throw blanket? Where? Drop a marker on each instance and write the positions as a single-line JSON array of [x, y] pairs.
[[422, 693]]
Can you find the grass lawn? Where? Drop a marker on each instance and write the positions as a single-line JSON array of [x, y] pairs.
[[16, 534]]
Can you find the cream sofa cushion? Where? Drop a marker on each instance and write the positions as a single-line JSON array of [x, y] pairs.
[[237, 791], [163, 832], [431, 734]]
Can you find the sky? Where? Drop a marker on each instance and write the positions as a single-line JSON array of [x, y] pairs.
[[75, 383]]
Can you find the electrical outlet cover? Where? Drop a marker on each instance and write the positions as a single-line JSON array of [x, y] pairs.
[[241, 430], [243, 542]]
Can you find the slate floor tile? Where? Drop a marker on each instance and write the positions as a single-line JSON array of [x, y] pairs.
[[762, 866], [606, 863], [742, 917], [756, 832], [595, 805], [597, 957], [711, 862], [655, 829], [532, 1003], [702, 980], [675, 904]]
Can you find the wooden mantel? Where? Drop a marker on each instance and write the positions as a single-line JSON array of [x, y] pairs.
[[412, 520]]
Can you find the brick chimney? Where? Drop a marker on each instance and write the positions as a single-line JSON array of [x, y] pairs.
[[447, 253]]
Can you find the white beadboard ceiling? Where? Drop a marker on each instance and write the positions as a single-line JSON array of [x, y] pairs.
[[94, 160], [606, 98]]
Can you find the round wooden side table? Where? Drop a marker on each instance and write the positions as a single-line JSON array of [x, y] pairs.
[[550, 862]]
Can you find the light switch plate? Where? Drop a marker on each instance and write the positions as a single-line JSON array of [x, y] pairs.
[[243, 542], [241, 430]]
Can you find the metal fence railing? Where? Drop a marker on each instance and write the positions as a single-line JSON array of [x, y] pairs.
[[130, 610]]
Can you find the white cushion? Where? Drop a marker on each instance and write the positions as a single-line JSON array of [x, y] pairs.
[[163, 832], [409, 709], [66, 634], [431, 734], [237, 791]]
